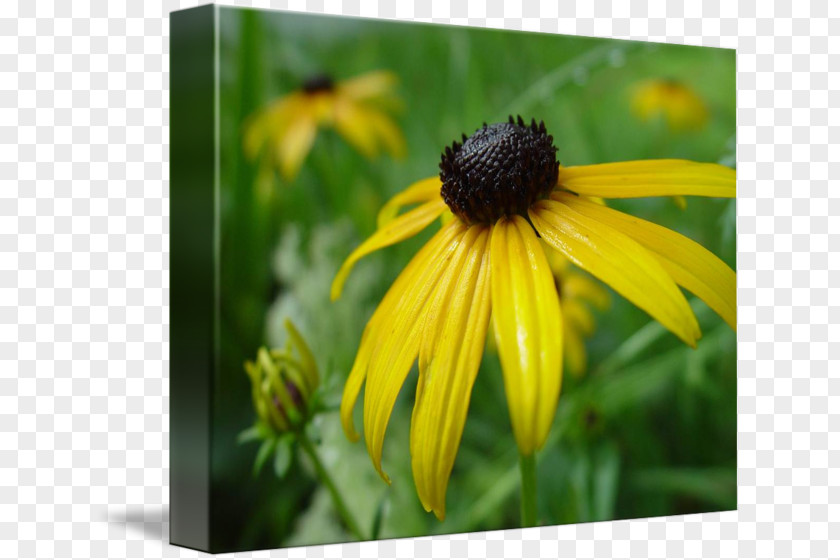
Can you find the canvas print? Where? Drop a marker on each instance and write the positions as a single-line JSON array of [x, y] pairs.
[[432, 279]]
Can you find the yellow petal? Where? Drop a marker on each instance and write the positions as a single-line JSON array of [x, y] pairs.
[[433, 319], [691, 266], [445, 385], [387, 132], [399, 340], [424, 190], [618, 261], [574, 350], [368, 128], [369, 85], [657, 177], [295, 145], [351, 121], [254, 136], [527, 324], [376, 328], [269, 124], [395, 231], [355, 380]]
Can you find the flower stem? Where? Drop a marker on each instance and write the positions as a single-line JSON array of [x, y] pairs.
[[325, 478], [528, 473]]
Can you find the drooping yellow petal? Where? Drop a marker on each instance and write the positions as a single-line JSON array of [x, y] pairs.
[[527, 325], [433, 319], [351, 121], [295, 145], [619, 261], [445, 384], [369, 85], [399, 342], [254, 136], [395, 231], [574, 350], [376, 327], [368, 128], [270, 124], [355, 380], [691, 266], [388, 134], [424, 190], [658, 177]]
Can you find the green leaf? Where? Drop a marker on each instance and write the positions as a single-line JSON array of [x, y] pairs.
[[379, 515], [283, 456], [579, 469], [605, 473], [258, 431], [642, 381], [635, 345], [266, 449], [713, 485], [249, 434]]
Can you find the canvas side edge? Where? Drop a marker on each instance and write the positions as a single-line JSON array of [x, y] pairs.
[[193, 276]]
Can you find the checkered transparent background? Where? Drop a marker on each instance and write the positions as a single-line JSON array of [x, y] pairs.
[[84, 276]]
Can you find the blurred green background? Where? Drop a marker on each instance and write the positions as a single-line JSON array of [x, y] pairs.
[[650, 430]]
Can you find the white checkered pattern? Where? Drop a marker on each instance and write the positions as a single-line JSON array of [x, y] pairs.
[[84, 276]]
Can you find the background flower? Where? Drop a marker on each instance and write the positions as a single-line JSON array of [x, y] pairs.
[[671, 100], [283, 133]]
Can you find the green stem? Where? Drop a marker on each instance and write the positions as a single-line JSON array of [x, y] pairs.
[[325, 478], [528, 473]]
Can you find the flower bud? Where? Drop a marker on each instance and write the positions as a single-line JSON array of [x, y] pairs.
[[283, 382]]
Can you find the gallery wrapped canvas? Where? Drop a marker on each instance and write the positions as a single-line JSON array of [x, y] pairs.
[[430, 279]]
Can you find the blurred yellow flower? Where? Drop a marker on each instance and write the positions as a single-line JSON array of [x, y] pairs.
[[504, 187], [578, 294], [679, 105], [357, 108]]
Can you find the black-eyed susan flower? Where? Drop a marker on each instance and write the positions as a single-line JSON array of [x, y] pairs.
[[505, 190], [679, 105], [357, 108], [579, 294]]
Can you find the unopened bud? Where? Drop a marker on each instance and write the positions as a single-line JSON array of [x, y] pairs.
[[283, 382]]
